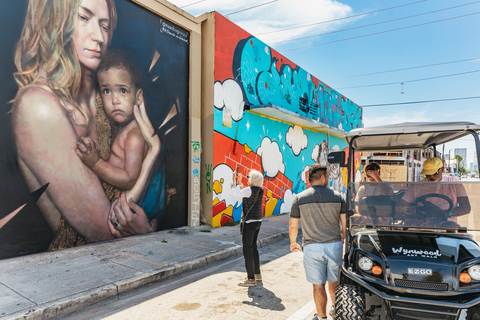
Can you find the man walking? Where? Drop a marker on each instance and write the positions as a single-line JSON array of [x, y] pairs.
[[323, 217]]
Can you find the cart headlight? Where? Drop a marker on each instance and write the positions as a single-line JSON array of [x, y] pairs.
[[366, 263], [474, 272]]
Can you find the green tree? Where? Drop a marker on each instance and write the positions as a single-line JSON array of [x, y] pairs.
[[460, 170], [459, 159]]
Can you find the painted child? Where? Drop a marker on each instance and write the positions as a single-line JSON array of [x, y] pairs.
[[120, 92]]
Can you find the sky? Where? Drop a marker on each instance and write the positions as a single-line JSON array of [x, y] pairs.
[[366, 49]]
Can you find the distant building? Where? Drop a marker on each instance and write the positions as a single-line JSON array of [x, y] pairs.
[[462, 152]]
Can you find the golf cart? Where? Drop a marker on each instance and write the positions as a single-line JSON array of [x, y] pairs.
[[418, 258]]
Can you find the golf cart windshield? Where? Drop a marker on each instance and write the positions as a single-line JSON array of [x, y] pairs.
[[448, 206]]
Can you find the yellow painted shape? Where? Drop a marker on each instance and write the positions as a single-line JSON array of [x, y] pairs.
[[270, 204], [345, 177], [217, 186], [216, 221], [247, 148]]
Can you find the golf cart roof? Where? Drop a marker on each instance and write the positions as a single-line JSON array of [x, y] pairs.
[[408, 135]]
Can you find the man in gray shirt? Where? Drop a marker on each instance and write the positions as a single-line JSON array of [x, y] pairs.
[[323, 217]]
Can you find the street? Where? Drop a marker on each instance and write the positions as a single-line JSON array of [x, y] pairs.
[[213, 293]]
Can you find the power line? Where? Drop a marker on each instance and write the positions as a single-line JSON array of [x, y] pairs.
[[374, 24], [416, 102], [191, 4], [380, 32], [416, 80], [229, 14], [402, 69], [333, 20]]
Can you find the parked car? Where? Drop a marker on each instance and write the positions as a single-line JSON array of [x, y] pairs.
[[422, 266]]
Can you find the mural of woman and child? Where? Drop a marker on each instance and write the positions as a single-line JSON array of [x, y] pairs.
[[92, 138]]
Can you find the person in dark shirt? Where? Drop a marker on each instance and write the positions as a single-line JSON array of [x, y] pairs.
[[322, 213]]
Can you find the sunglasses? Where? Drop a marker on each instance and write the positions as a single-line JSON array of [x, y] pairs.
[[436, 173]]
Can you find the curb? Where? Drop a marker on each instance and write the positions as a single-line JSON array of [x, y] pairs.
[[67, 305]]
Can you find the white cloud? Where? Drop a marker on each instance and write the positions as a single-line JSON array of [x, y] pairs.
[[304, 174], [315, 152], [222, 171], [229, 95], [277, 15], [272, 158], [287, 201], [392, 117], [296, 139]]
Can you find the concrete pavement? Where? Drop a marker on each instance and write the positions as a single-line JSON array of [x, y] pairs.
[[57, 283]]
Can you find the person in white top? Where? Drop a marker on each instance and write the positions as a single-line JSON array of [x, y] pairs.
[[252, 206]]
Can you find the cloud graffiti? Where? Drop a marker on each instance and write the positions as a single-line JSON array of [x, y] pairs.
[[304, 174], [287, 201], [272, 157], [296, 139], [229, 95]]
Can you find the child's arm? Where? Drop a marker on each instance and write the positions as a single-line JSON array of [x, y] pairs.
[[87, 151], [122, 178]]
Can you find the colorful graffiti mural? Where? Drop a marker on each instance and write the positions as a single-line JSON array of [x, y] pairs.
[[248, 72], [56, 102]]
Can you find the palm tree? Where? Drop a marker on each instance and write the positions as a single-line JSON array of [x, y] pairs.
[[459, 159]]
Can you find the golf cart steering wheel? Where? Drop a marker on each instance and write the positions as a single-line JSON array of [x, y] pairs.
[[427, 208]]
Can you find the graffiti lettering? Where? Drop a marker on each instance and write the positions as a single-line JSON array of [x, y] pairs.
[[195, 212], [171, 30], [208, 177], [303, 104], [196, 173], [196, 159], [196, 146], [260, 70]]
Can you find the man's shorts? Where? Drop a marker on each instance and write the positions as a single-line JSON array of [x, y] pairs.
[[321, 261]]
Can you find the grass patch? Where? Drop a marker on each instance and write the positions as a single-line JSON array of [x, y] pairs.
[[230, 224], [205, 230]]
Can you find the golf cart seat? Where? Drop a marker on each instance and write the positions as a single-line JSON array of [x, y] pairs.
[[380, 209]]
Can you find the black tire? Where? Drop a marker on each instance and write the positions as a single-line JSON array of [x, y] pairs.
[[349, 302], [473, 313]]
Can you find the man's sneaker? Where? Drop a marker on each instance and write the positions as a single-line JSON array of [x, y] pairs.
[[258, 277], [248, 283], [332, 312], [316, 317]]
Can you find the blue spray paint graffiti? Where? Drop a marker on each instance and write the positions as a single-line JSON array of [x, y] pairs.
[[264, 81]]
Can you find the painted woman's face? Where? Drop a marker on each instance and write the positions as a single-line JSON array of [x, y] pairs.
[[91, 32]]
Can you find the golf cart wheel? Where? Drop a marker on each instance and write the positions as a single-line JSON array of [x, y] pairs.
[[472, 314], [349, 302]]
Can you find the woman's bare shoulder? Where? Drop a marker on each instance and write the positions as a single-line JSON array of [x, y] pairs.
[[37, 103], [36, 99]]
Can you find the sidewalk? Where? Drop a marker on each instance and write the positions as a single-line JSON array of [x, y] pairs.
[[57, 283]]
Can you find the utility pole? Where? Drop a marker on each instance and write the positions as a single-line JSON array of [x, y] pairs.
[[449, 160]]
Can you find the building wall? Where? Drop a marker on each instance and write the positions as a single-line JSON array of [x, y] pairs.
[[163, 45], [249, 73], [462, 152]]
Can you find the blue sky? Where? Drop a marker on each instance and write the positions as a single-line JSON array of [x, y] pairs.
[[431, 32]]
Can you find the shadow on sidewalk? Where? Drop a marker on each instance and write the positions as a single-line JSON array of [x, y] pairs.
[[264, 298]]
